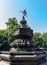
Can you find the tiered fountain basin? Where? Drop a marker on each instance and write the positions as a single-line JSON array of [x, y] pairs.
[[24, 58]]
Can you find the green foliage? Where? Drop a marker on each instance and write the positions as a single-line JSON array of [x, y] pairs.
[[37, 40], [36, 36], [40, 40], [12, 23], [6, 35], [44, 37]]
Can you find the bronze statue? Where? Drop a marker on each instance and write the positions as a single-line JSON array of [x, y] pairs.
[[24, 12]]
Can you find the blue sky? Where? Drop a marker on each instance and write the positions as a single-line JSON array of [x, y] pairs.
[[36, 16]]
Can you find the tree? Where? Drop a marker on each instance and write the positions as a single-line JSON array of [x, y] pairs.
[[44, 37], [37, 40], [12, 25], [6, 35], [3, 38], [36, 35]]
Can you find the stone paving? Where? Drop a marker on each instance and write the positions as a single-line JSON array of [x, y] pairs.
[[4, 63]]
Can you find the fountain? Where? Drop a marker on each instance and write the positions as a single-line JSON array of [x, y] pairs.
[[23, 47], [22, 50]]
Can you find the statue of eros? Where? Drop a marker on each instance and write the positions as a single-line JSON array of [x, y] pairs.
[[24, 12]]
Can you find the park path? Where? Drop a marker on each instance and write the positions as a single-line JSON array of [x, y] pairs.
[[4, 63]]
